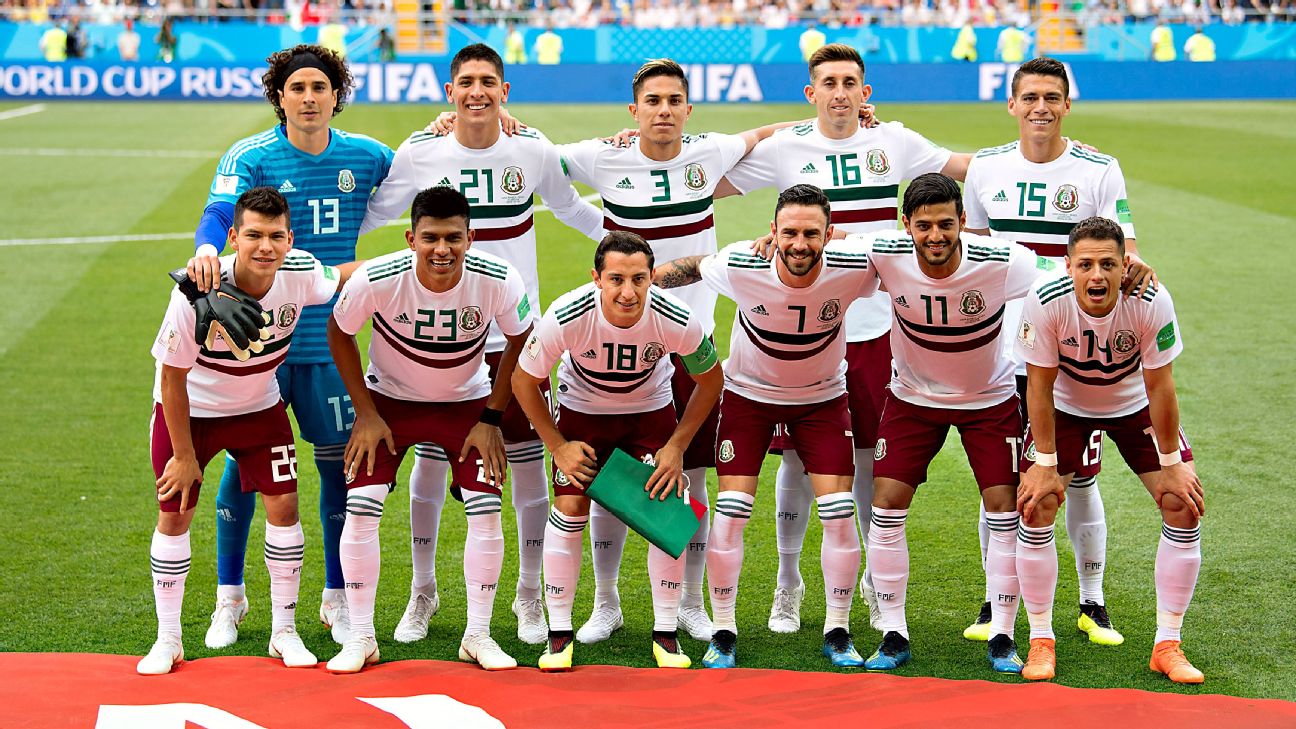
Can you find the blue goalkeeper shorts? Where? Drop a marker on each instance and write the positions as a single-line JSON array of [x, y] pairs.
[[318, 400]]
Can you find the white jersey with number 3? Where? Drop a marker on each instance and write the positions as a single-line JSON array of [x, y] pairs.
[[426, 346], [1100, 360]]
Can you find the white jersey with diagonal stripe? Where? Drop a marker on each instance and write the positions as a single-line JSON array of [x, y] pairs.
[[668, 203], [605, 369], [1100, 360], [861, 176], [427, 346], [500, 183], [946, 343], [787, 345], [218, 383]]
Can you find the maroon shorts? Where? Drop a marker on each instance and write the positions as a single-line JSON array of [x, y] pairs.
[[639, 434], [1079, 443], [515, 426], [820, 433], [443, 423], [868, 372], [261, 442], [910, 436], [701, 451]]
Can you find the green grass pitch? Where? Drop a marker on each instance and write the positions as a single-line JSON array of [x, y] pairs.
[[1211, 197]]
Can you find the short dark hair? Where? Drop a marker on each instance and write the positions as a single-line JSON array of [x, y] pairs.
[[622, 241], [932, 188], [476, 52], [658, 67], [263, 200], [835, 52], [1096, 228], [441, 203], [338, 73], [1043, 66], [806, 195]]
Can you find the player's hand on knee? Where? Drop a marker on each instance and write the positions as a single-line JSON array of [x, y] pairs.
[[177, 479], [1037, 484], [669, 475], [1181, 482], [443, 124], [578, 460], [488, 441], [764, 246], [367, 433], [1139, 277]]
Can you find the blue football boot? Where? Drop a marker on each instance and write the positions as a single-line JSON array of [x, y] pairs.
[[891, 654], [839, 648], [722, 651], [1003, 655]]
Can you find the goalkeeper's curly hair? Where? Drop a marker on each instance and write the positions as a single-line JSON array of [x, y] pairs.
[[339, 75]]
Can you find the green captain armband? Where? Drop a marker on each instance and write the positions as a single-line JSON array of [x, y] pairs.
[[703, 359]]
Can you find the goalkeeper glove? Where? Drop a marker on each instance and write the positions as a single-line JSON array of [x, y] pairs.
[[226, 312]]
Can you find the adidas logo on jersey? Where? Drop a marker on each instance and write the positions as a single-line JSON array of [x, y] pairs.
[[401, 318], [590, 354], [445, 182], [625, 184], [287, 186], [901, 302], [1070, 342], [809, 169], [760, 309], [1001, 197]]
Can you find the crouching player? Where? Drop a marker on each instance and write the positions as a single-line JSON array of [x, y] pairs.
[[427, 382], [1084, 343], [208, 400], [613, 338]]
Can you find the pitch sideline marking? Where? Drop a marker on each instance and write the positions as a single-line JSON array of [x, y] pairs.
[[22, 111], [129, 153]]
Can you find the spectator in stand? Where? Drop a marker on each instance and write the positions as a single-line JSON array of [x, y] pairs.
[[514, 45], [1163, 47], [965, 44], [548, 47], [1199, 47], [1231, 13], [166, 42], [128, 42], [811, 40], [386, 46], [54, 44]]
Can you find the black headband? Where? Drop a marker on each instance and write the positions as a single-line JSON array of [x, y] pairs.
[[306, 59]]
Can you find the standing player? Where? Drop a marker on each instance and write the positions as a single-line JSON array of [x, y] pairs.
[[860, 169], [1084, 342], [207, 401], [948, 293], [427, 381], [499, 175], [787, 364], [1033, 191], [661, 188], [326, 175], [612, 337]]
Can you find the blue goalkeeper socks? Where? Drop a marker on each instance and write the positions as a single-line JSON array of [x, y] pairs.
[[234, 512], [333, 493]]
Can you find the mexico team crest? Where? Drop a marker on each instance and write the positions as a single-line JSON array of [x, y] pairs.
[[560, 478], [877, 162], [346, 181], [1066, 199], [287, 315], [470, 319], [830, 310], [879, 450], [1125, 341], [652, 352], [695, 176], [726, 453], [1030, 452], [973, 303], [512, 181]]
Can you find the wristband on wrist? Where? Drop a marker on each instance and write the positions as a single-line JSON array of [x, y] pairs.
[[1170, 459], [491, 416], [1048, 460]]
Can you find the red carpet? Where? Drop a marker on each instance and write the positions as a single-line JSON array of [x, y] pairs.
[[78, 690]]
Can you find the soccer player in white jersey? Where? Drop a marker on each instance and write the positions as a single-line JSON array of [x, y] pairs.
[[1085, 345], [611, 338], [860, 169], [1033, 191], [948, 293], [661, 187], [207, 400], [499, 175], [787, 365], [428, 382]]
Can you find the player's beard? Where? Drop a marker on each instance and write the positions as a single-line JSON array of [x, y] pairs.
[[800, 266], [950, 250]]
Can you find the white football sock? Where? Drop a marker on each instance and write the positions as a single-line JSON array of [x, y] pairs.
[[562, 566], [608, 538], [792, 494], [427, 497], [839, 557], [1086, 525], [1178, 561], [862, 490], [531, 507], [1037, 572], [695, 556], [361, 554], [284, 549], [725, 556], [665, 573], [231, 592], [889, 565], [169, 563], [483, 558], [983, 534], [1001, 571]]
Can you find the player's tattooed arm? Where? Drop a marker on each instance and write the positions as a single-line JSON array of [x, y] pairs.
[[679, 272]]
